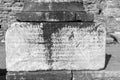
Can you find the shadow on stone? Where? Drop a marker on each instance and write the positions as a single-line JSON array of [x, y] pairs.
[[3, 72], [107, 59]]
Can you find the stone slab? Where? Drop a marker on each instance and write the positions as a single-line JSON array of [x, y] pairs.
[[40, 75], [55, 46], [96, 75], [53, 6], [46, 16], [55, 16]]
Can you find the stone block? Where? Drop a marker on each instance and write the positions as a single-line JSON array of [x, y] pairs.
[[55, 46], [96, 75], [39, 75], [112, 8], [55, 16], [53, 6], [54, 11], [46, 16]]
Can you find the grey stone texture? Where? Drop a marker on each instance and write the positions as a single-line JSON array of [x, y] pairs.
[[64, 75], [40, 75], [96, 75], [101, 9], [55, 16], [54, 11], [53, 6], [8, 8]]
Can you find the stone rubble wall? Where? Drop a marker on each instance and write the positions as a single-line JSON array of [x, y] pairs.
[[106, 11], [8, 8]]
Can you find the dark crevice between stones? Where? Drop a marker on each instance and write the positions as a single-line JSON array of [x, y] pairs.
[[107, 59], [57, 21], [3, 73], [72, 75], [100, 11]]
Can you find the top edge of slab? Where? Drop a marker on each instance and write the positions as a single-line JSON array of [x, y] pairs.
[[53, 6], [54, 0]]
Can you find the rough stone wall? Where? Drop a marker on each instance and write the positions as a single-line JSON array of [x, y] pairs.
[[106, 11], [8, 8]]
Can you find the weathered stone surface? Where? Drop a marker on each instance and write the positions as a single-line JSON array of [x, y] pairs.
[[112, 16], [112, 8], [84, 16], [40, 75], [46, 16], [79, 46], [96, 75], [55, 16], [3, 55], [56, 46], [24, 48], [53, 6], [112, 25]]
